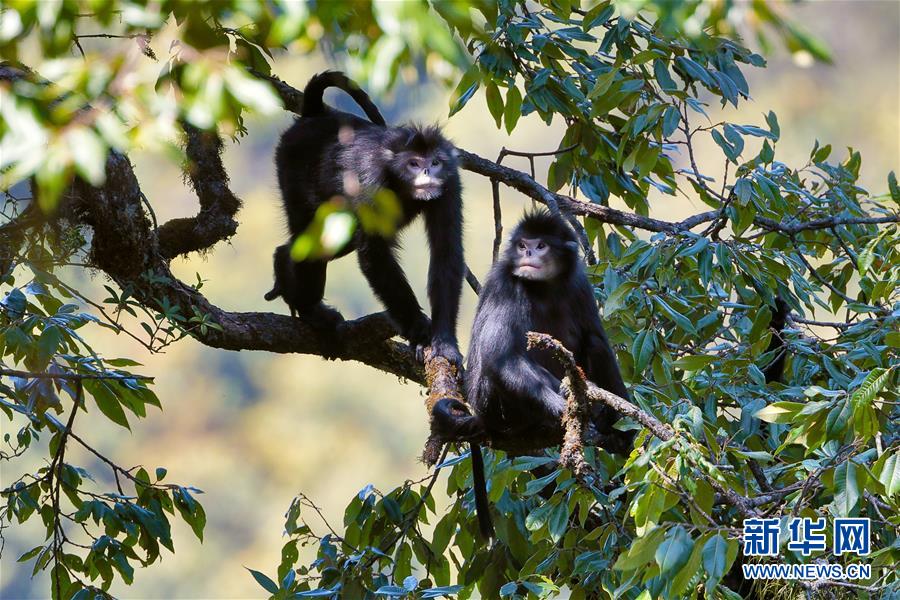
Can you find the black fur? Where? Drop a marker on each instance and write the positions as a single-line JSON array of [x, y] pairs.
[[514, 390], [313, 105], [328, 153], [775, 369]]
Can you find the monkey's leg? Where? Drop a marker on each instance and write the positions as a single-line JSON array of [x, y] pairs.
[[388, 281], [307, 291], [283, 273]]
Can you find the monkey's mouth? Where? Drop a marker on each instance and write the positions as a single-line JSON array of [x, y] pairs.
[[528, 270], [534, 266], [428, 191]]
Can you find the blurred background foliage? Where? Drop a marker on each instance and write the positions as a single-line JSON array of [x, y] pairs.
[[252, 430]]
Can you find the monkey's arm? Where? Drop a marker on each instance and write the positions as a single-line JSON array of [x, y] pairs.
[[443, 222], [597, 356], [389, 283], [531, 383], [602, 369]]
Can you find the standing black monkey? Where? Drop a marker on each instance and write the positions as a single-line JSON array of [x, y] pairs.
[[540, 284], [328, 153]]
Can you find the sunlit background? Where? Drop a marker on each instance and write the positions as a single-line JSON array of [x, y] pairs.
[[254, 429]]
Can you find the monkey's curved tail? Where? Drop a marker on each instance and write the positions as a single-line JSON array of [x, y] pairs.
[[482, 509], [315, 90]]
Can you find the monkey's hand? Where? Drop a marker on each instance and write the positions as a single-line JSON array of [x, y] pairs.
[[448, 349], [418, 333]]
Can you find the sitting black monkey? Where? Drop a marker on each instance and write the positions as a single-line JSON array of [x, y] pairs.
[[540, 284], [328, 153]]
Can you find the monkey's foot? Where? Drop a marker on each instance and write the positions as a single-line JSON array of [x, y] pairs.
[[451, 420], [329, 325], [448, 350], [418, 333]]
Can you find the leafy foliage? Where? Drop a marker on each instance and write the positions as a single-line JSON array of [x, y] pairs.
[[689, 306]]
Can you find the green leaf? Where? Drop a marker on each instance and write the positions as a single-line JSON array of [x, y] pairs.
[[766, 153], [558, 521], [822, 153], [846, 489], [779, 412], [671, 119], [695, 71], [536, 485], [513, 109], [772, 122], [191, 511], [641, 552], [675, 550], [538, 517], [871, 385], [729, 150], [757, 455], [602, 84], [597, 15], [267, 584], [661, 73], [494, 102], [15, 302], [107, 402], [687, 573], [467, 87], [694, 362], [715, 559], [889, 473], [615, 300], [30, 554], [743, 189], [865, 258], [893, 187], [683, 322], [643, 349], [48, 343]]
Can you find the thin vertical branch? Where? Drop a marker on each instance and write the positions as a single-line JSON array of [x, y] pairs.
[[498, 212]]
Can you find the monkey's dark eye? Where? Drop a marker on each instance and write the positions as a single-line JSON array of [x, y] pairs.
[[541, 245], [414, 163], [521, 245], [435, 162]]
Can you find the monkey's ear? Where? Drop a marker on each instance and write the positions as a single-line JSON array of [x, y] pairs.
[[573, 246]]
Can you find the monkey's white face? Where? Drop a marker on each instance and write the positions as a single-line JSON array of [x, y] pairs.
[[425, 176], [535, 260]]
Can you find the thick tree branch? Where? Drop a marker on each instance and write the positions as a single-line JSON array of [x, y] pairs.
[[218, 205]]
